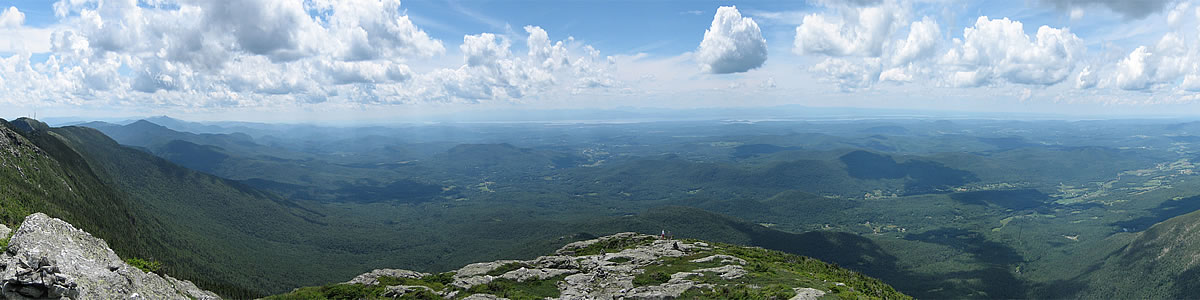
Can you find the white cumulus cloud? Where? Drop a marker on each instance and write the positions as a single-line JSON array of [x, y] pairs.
[[484, 49], [1147, 67], [999, 49], [922, 41], [859, 30], [732, 44], [11, 17]]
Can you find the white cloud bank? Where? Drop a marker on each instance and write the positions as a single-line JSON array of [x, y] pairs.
[[202, 54], [863, 45], [732, 44], [218, 54]]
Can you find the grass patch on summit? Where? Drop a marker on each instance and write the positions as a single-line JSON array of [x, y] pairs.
[[523, 290], [437, 282], [740, 292], [660, 273], [505, 268]]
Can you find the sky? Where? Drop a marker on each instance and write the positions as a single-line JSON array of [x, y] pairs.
[[265, 60]]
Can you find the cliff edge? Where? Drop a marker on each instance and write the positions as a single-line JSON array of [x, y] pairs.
[[47, 258]]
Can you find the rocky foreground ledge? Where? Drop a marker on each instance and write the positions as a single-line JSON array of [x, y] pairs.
[[48, 258], [621, 266]]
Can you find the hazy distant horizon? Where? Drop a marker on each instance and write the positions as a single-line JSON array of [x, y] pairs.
[[641, 115]]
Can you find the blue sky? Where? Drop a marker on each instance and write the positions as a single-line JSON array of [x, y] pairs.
[[263, 60]]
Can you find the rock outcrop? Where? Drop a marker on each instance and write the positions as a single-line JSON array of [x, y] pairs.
[[373, 276], [630, 266], [48, 258]]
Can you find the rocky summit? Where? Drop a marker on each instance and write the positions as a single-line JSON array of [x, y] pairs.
[[620, 266], [47, 258]]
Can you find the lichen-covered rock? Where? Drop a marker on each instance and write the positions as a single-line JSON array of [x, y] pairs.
[[49, 258], [468, 282], [372, 278], [670, 290], [722, 258], [556, 262], [807, 294], [477, 269], [726, 272], [4, 231], [525, 274], [483, 297]]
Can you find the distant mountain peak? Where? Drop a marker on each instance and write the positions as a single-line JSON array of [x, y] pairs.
[[143, 123], [27, 125], [157, 119]]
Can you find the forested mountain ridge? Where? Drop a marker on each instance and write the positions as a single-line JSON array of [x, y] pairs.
[[201, 227], [40, 173]]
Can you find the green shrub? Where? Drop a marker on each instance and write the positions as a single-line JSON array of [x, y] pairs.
[[436, 282], [352, 291], [654, 278], [443, 278], [505, 268], [151, 266], [740, 292], [512, 289]]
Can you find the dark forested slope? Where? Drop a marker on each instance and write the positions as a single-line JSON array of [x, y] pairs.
[[216, 232], [1162, 262]]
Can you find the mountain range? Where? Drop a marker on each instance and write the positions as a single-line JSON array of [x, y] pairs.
[[1008, 217]]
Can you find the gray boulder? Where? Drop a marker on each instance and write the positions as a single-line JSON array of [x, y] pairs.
[[525, 274], [372, 278], [807, 294], [48, 258]]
